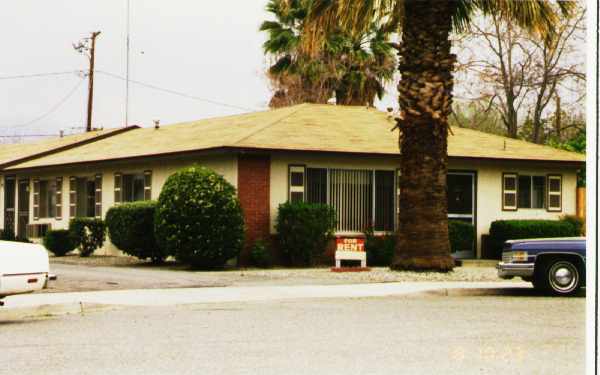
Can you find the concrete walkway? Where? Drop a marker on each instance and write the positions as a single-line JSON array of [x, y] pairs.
[[179, 296]]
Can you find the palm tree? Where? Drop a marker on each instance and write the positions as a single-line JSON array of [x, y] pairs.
[[355, 67], [425, 98]]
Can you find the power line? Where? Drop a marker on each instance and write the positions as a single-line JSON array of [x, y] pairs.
[[169, 91], [29, 135], [35, 75], [52, 109]]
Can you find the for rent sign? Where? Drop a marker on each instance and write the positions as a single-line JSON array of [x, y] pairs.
[[350, 244]]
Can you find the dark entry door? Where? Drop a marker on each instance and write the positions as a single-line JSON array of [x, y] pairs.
[[23, 208], [9, 206], [461, 204]]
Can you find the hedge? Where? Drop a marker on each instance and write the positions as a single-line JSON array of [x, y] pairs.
[[131, 229], [304, 230], [88, 234], [503, 230], [59, 242], [199, 219]]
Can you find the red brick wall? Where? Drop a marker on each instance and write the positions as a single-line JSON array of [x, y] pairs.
[[254, 174]]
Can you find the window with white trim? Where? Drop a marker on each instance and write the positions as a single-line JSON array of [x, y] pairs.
[[85, 195], [532, 191], [509, 191], [47, 198], [296, 183], [554, 193], [132, 188]]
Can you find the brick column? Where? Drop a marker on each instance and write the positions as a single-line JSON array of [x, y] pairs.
[[254, 176]]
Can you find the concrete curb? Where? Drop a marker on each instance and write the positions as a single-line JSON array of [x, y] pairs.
[[50, 310]]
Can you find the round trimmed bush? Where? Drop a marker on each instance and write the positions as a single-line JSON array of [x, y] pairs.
[[199, 218], [304, 230], [131, 229], [59, 242]]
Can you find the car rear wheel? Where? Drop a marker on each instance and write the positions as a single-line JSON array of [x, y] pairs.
[[559, 277]]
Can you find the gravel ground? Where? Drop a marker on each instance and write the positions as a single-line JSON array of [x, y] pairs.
[[111, 273]]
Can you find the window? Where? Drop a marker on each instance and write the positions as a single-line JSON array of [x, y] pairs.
[[85, 193], [361, 198], [351, 195], [133, 187], [531, 191], [554, 193], [47, 199], [509, 192], [296, 183]]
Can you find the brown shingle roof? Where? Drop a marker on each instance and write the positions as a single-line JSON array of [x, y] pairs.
[[308, 127]]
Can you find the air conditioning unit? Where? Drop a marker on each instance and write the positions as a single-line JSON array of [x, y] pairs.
[[38, 230]]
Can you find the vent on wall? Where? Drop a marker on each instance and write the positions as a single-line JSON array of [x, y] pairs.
[[37, 230]]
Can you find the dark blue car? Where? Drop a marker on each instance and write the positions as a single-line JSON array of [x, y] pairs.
[[553, 265]]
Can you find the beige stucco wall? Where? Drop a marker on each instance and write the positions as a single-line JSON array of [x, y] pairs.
[[489, 183], [225, 165]]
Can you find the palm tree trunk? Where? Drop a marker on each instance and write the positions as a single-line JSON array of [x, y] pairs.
[[425, 98]]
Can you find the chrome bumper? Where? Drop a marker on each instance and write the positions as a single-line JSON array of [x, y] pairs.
[[509, 270]]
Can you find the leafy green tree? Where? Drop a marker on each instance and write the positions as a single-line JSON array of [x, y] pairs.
[[354, 67], [426, 67]]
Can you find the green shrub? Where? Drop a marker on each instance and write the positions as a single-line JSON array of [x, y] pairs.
[[577, 222], [131, 229], [304, 230], [58, 242], [199, 219], [380, 249], [87, 233], [10, 236], [259, 255], [461, 234], [503, 230]]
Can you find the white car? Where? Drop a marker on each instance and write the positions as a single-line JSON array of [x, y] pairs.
[[24, 268]]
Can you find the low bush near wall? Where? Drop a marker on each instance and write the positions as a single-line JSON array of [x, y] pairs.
[[260, 255], [380, 249], [88, 234], [131, 229], [59, 242], [503, 230], [461, 234], [303, 230], [199, 219]]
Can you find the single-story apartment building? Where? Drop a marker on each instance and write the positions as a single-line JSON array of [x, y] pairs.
[[343, 156]]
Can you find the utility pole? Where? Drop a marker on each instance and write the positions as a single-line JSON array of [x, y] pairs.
[[83, 47], [127, 68]]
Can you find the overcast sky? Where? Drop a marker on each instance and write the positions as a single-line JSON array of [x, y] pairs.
[[212, 52]]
